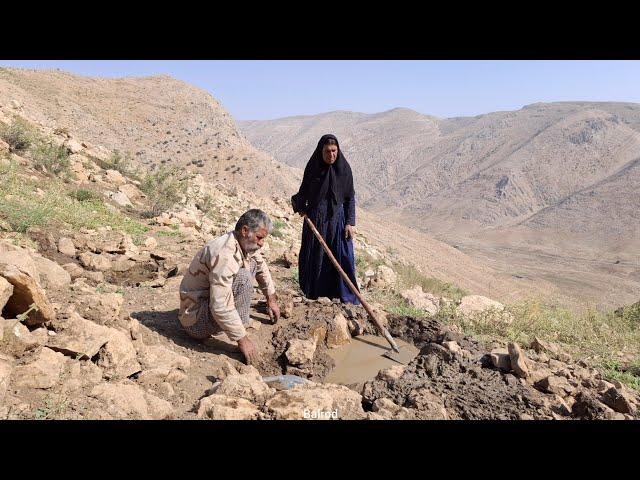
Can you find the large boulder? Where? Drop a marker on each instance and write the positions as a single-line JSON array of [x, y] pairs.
[[6, 290], [417, 298], [102, 308], [473, 304], [77, 337], [157, 356], [300, 352], [127, 400], [44, 372], [384, 276], [249, 386], [518, 360], [21, 258], [16, 339], [51, 274], [118, 357], [338, 332], [619, 400], [66, 247], [95, 261], [316, 401], [26, 292], [132, 192], [114, 177], [223, 407]]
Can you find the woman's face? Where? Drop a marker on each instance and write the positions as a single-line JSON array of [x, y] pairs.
[[330, 154]]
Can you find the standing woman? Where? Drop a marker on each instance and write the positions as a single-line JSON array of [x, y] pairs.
[[327, 197]]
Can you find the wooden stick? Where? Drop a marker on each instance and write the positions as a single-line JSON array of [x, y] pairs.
[[383, 331]]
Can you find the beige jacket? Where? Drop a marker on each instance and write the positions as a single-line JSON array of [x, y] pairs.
[[209, 279]]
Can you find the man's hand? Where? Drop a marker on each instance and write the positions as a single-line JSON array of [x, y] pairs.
[[349, 232], [248, 349], [273, 308]]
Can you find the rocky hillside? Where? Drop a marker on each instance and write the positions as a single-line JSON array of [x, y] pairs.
[[155, 121]]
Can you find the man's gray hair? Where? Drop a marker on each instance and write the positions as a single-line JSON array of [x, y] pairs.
[[254, 219]]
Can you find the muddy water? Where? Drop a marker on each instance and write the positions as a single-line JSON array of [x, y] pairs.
[[361, 360]]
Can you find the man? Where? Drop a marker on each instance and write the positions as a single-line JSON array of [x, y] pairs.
[[215, 293]]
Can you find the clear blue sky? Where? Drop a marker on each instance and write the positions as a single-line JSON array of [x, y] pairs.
[[263, 89]]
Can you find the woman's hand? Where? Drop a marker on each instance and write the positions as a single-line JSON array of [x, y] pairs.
[[349, 232]]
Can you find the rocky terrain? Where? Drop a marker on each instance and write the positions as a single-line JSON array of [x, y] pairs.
[[546, 192], [89, 275]]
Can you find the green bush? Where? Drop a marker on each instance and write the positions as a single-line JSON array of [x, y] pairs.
[[164, 189], [278, 225], [83, 195], [52, 159], [19, 135]]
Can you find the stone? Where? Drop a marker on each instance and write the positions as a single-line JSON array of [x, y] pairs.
[[78, 337], [44, 372], [501, 359], [5, 376], [287, 309], [290, 258], [157, 356], [118, 357], [249, 386], [17, 339], [121, 199], [150, 243], [300, 352], [122, 264], [66, 247], [453, 347], [417, 298], [132, 192], [518, 360], [4, 147], [134, 329], [560, 406], [473, 304], [588, 407], [338, 332], [114, 177], [74, 270], [222, 367], [316, 401], [73, 145], [102, 308], [542, 346], [95, 261], [554, 384], [391, 374], [26, 292], [390, 411], [619, 400], [21, 258], [40, 336], [96, 277], [223, 407], [127, 400], [51, 274], [385, 276], [6, 290], [324, 301]]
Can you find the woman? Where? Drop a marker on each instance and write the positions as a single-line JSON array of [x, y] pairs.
[[327, 197]]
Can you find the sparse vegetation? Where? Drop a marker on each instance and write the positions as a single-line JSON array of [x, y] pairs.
[[408, 276], [122, 163], [278, 225], [19, 135], [51, 159], [83, 195], [164, 189]]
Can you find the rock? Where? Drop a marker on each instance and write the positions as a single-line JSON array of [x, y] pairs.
[[390, 411], [95, 261], [300, 352], [166, 389], [123, 400], [560, 407], [6, 290], [121, 199], [554, 384], [223, 407], [26, 291], [122, 264], [40, 336], [249, 386], [419, 299], [541, 346], [338, 332], [73, 145], [518, 360], [452, 347], [12, 255], [324, 301], [157, 356], [385, 275], [150, 243], [290, 258], [391, 374], [51, 274], [77, 337], [16, 338], [44, 372], [619, 400], [132, 192], [114, 177], [500, 359], [102, 308], [134, 329], [118, 357], [154, 376], [473, 304], [316, 401], [287, 309], [5, 375], [4, 147], [66, 247], [587, 406], [74, 270]]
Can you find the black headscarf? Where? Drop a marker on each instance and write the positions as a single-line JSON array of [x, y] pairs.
[[321, 180]]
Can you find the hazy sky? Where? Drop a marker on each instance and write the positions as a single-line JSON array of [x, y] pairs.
[[266, 89]]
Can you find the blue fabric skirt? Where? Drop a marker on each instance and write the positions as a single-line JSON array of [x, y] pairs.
[[318, 276]]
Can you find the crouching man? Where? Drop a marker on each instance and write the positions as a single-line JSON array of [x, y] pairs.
[[215, 293]]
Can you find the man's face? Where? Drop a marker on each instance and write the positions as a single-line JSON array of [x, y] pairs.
[[252, 241], [330, 154]]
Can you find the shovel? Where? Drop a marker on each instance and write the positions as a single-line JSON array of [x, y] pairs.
[[395, 354]]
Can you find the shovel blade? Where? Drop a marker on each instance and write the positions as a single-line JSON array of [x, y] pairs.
[[403, 357]]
